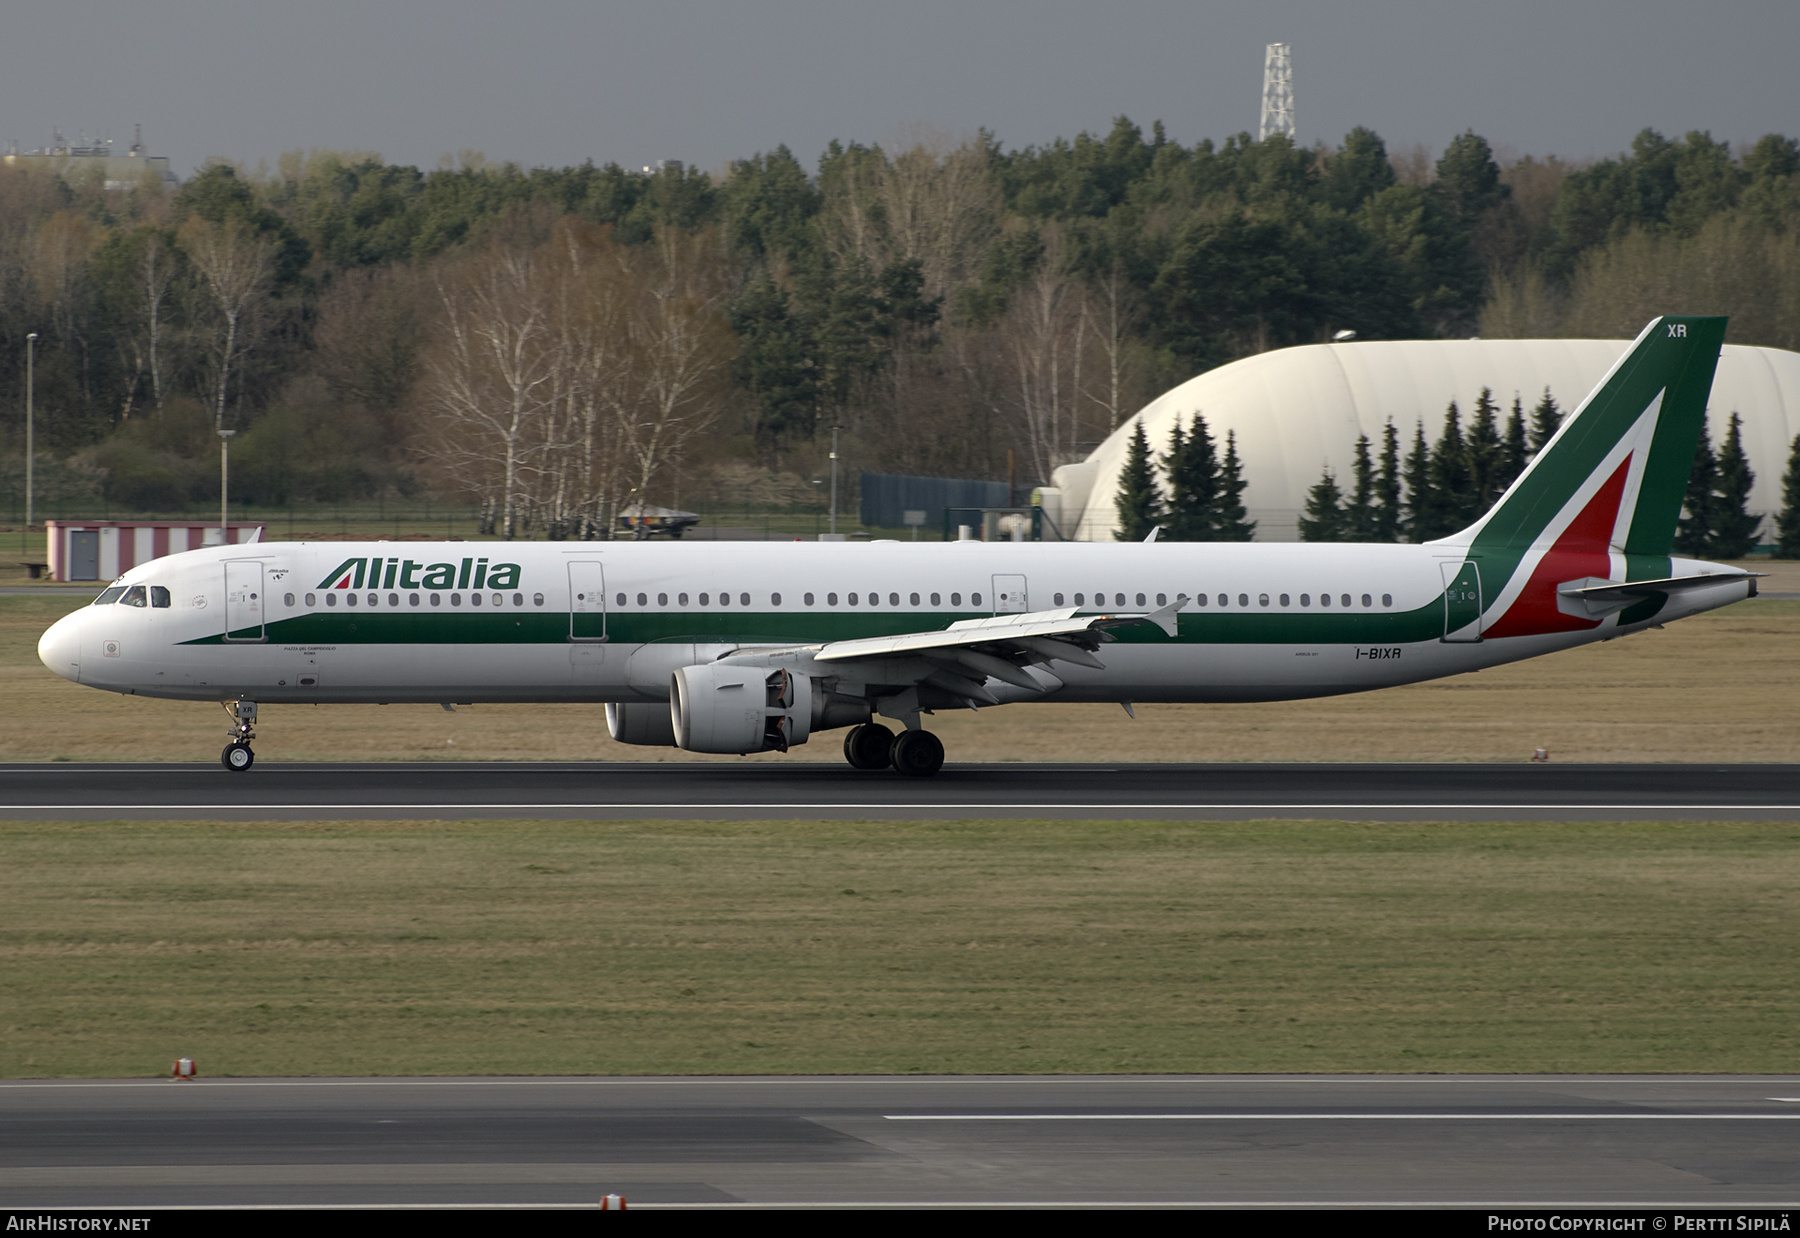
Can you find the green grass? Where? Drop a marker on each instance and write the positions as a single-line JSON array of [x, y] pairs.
[[649, 947]]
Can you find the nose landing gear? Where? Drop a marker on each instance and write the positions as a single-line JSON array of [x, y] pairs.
[[237, 756]]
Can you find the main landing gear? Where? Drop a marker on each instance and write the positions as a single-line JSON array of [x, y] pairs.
[[917, 754], [237, 756]]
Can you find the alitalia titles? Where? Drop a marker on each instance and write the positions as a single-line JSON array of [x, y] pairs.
[[379, 573]]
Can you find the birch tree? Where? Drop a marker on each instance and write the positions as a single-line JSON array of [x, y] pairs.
[[236, 265]]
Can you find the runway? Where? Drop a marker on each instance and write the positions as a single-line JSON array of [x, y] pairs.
[[1058, 1141], [765, 791]]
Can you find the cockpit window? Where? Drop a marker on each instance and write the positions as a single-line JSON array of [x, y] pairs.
[[134, 596], [110, 596], [159, 597]]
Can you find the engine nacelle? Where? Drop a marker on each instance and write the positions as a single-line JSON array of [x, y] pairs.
[[648, 723], [726, 708]]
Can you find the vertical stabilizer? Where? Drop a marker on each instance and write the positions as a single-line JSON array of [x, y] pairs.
[[1639, 426]]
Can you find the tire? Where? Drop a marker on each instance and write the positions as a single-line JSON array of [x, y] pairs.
[[918, 754], [868, 746], [237, 757]]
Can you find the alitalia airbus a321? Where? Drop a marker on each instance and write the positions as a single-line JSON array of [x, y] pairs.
[[751, 648]]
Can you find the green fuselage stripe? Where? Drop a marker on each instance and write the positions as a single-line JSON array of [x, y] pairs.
[[1233, 627]]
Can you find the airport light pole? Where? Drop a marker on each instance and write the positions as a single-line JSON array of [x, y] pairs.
[[30, 429], [224, 482], [834, 458]]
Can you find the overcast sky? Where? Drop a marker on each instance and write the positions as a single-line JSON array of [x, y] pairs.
[[554, 82]]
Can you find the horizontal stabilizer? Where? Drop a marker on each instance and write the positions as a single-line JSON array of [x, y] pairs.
[[1598, 597]]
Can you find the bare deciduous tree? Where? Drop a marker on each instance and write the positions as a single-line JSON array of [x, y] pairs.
[[235, 263]]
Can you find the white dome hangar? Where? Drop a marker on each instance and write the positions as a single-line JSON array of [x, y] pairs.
[[1297, 411]]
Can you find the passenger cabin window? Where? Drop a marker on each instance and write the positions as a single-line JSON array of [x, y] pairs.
[[831, 599], [1199, 599], [774, 599], [1367, 601], [743, 599], [1284, 599], [956, 599], [1224, 599], [1080, 599], [1306, 599], [974, 599], [808, 599], [1057, 600], [312, 600], [937, 599], [1387, 599], [662, 599]]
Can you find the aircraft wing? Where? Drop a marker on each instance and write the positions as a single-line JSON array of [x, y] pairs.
[[963, 656]]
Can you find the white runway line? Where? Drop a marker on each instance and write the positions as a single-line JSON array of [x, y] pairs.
[[1342, 1117]]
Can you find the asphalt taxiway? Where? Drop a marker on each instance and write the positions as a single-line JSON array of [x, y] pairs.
[[764, 790], [1711, 1142]]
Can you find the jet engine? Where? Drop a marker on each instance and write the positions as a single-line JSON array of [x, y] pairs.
[[725, 708], [648, 723]]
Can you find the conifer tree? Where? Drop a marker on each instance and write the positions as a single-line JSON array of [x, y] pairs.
[[1787, 524], [1230, 524], [1484, 450], [1699, 514], [1192, 466], [1140, 503], [1387, 487], [1359, 512], [1516, 455], [1325, 519], [1545, 417], [1734, 530], [1421, 502], [1453, 499]]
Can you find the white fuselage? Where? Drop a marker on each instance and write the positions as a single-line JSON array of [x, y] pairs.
[[464, 621]]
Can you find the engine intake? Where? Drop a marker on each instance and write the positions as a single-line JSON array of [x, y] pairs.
[[648, 724]]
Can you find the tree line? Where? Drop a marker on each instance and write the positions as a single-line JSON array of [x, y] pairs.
[[549, 343], [1435, 489]]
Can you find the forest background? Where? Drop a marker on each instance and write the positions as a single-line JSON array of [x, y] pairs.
[[547, 345]]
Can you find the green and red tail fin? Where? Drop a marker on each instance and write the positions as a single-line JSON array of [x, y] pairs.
[[1644, 417], [1601, 500]]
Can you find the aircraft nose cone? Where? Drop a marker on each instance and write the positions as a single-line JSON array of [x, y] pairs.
[[60, 647]]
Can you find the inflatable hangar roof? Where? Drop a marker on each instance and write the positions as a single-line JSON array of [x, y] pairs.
[[1298, 411]]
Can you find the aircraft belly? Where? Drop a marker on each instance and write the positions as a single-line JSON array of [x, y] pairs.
[[1226, 673]]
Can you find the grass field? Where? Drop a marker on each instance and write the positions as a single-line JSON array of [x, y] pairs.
[[530, 947], [1718, 687]]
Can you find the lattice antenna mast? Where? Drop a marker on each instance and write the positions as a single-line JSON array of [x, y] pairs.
[[1278, 92]]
